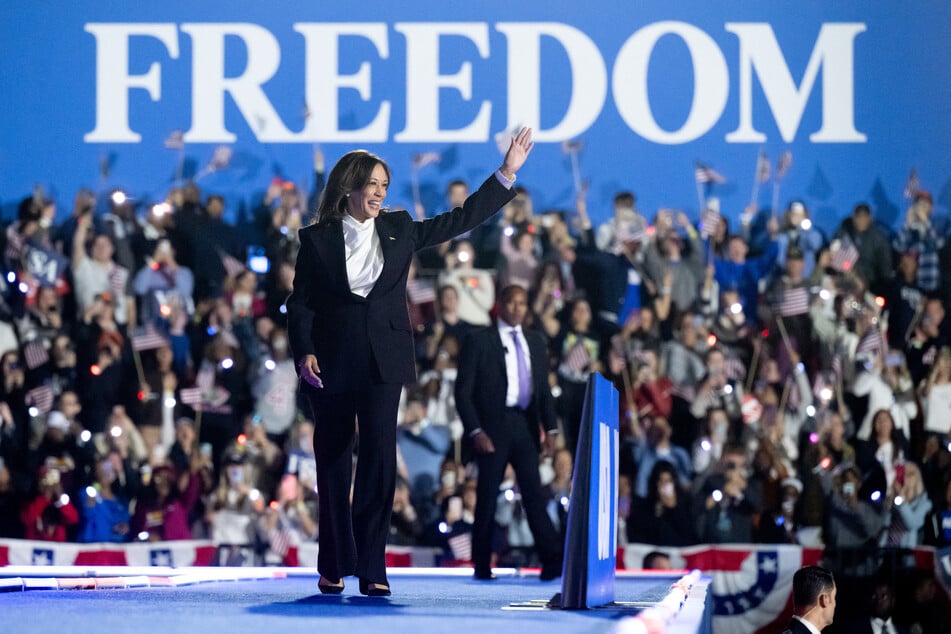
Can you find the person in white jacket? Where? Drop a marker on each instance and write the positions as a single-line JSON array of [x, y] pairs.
[[886, 388]]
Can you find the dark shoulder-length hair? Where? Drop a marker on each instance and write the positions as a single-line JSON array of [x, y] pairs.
[[351, 172]]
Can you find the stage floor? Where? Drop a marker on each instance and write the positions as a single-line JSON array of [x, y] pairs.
[[423, 601]]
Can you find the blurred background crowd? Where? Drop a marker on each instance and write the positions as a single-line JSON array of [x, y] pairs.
[[777, 384]]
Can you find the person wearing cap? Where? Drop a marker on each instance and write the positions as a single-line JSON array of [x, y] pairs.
[[797, 230], [920, 235]]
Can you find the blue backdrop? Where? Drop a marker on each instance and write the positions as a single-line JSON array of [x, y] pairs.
[[857, 91]]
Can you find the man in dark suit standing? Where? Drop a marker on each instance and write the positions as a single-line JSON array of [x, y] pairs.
[[506, 407], [813, 601], [878, 619]]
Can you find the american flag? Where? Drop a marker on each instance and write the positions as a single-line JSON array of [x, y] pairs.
[[844, 255], [461, 546], [233, 266], [175, 140], [280, 539], [420, 291], [709, 221], [15, 243], [118, 276], [872, 342], [577, 358], [734, 368], [570, 147], [220, 158], [40, 397], [148, 339], [912, 185], [794, 301], [627, 233], [422, 159], [837, 368], [617, 346], [105, 166], [35, 354], [191, 396], [706, 174], [823, 388], [783, 164], [762, 168]]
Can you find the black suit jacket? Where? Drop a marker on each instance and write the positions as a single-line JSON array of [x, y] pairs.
[[864, 626], [324, 317], [796, 627], [481, 383]]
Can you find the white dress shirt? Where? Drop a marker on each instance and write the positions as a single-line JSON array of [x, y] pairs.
[[511, 361], [809, 626], [883, 627], [363, 253]]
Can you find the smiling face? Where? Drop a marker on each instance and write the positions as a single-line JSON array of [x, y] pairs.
[[365, 203]]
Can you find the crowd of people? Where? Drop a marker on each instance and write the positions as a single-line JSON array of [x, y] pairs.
[[777, 384]]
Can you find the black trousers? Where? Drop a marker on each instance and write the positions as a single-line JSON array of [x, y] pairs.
[[353, 535], [518, 447]]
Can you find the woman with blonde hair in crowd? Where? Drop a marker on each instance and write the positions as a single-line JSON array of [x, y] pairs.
[[908, 506], [935, 394]]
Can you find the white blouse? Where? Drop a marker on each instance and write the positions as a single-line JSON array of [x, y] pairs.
[[363, 253]]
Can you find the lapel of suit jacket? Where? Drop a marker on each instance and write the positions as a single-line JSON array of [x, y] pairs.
[[328, 242], [385, 231], [539, 360], [497, 351]]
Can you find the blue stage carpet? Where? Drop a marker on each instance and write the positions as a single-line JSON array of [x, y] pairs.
[[419, 605]]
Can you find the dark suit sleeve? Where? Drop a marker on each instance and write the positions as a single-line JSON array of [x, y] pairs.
[[466, 376], [300, 304], [477, 208], [544, 400]]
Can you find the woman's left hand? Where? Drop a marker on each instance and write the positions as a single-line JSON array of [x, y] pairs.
[[517, 153]]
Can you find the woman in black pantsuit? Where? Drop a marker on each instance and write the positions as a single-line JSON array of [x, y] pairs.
[[353, 347]]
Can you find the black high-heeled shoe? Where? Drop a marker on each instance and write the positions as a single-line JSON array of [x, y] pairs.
[[378, 589], [330, 588]]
